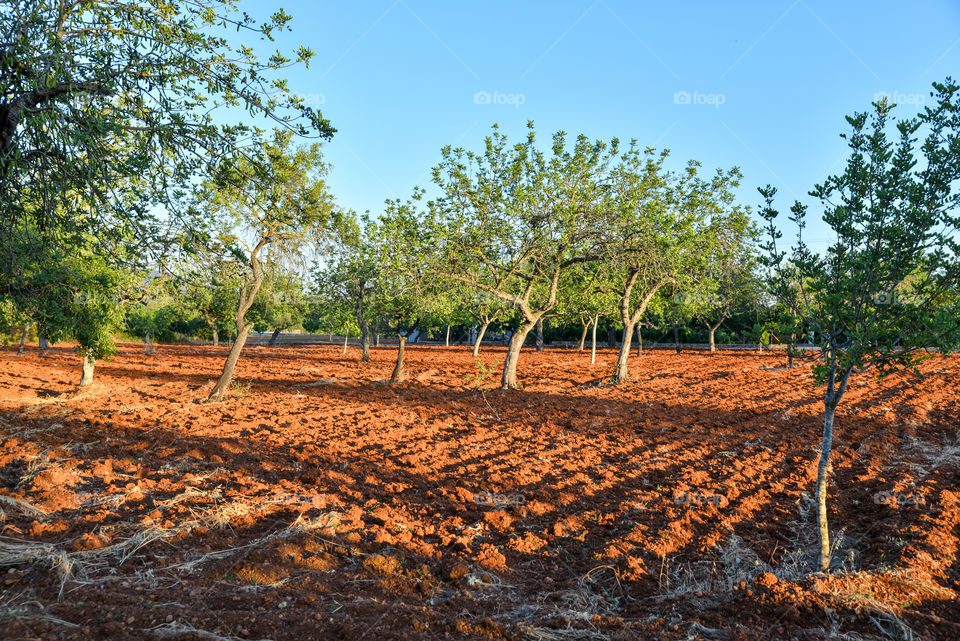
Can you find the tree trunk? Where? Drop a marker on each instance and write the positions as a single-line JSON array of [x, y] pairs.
[[365, 342], [593, 342], [540, 335], [44, 344], [377, 343], [23, 338], [622, 373], [223, 384], [447, 342], [274, 337], [611, 336], [676, 337], [583, 337], [147, 348], [713, 329], [346, 338], [399, 375], [86, 371], [509, 380], [476, 343], [216, 335], [790, 355], [823, 468], [639, 341], [330, 337]]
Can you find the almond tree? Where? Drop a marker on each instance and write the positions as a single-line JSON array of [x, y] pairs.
[[512, 219], [663, 228], [278, 200], [409, 294], [348, 275], [884, 292]]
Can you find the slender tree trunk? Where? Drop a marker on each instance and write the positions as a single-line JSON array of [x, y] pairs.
[[346, 338], [593, 341], [216, 335], [676, 337], [223, 384], [790, 354], [447, 341], [611, 336], [23, 338], [540, 335], [274, 337], [378, 339], [399, 375], [365, 342], [583, 337], [248, 294], [86, 370], [822, 472], [639, 341], [43, 343], [480, 334], [330, 337], [509, 380], [622, 373]]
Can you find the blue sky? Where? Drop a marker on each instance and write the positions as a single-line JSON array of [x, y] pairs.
[[761, 85]]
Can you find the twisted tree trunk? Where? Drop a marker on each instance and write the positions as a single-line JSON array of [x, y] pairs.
[[509, 379], [480, 334]]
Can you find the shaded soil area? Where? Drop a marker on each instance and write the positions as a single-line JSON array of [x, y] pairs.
[[319, 502]]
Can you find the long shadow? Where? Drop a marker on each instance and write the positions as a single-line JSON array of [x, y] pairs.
[[665, 441]]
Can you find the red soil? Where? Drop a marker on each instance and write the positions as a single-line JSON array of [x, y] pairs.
[[317, 502]]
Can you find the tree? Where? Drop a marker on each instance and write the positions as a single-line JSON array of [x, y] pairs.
[[884, 292], [349, 274], [729, 281], [663, 227], [208, 285], [81, 298], [280, 199], [96, 93], [408, 293], [585, 299], [511, 220], [280, 303]]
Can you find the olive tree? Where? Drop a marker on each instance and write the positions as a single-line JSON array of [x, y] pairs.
[[883, 293]]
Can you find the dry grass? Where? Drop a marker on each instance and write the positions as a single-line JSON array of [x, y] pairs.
[[177, 628], [20, 506]]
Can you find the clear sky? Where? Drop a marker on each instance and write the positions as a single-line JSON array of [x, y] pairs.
[[761, 85]]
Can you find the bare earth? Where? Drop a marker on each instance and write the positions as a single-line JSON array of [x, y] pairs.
[[318, 502]]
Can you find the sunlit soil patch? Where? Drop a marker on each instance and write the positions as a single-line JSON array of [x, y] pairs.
[[319, 502]]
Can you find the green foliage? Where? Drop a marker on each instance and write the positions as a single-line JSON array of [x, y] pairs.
[[95, 95], [81, 298], [886, 289]]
